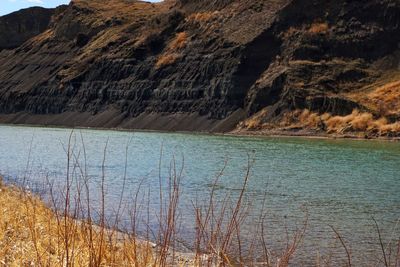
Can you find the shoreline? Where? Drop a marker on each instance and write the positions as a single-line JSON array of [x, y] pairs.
[[30, 200], [313, 135], [304, 134]]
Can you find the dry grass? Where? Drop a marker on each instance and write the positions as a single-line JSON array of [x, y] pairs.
[[179, 42], [122, 15], [202, 16], [390, 128], [31, 234], [166, 59], [318, 28], [355, 122], [126, 10], [171, 53], [386, 99], [255, 122], [309, 119], [383, 97]]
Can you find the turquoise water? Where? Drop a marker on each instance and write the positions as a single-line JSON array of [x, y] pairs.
[[342, 183]]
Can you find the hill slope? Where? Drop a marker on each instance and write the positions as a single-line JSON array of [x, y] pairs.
[[207, 65]]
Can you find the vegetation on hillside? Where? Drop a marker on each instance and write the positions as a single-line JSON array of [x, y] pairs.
[[379, 117]]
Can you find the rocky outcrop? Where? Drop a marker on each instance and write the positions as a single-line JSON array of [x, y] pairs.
[[18, 27], [214, 61]]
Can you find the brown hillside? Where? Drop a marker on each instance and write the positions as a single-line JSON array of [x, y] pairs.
[[202, 65]]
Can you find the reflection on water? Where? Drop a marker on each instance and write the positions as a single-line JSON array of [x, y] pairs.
[[336, 182]]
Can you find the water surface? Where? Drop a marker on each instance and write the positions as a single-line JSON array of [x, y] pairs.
[[342, 183]]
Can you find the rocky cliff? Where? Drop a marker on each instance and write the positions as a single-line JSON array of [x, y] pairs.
[[18, 27], [210, 65]]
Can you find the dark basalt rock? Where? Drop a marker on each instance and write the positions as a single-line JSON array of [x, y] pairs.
[[81, 39], [198, 5], [234, 55], [18, 27]]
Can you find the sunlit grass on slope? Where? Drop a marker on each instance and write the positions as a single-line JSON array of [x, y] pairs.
[[382, 97], [31, 234]]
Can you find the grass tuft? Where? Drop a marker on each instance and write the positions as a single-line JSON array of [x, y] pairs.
[[166, 59], [318, 28], [202, 16], [171, 53], [179, 42]]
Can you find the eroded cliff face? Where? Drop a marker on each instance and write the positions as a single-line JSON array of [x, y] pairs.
[[200, 65], [18, 27]]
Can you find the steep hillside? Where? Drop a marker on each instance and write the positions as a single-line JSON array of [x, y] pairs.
[[18, 27], [212, 65]]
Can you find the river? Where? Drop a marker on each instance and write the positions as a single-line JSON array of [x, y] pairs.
[[339, 183]]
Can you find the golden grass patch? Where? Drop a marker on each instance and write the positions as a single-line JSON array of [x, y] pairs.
[[31, 234], [382, 97], [318, 28], [357, 122], [390, 128], [309, 119], [254, 122], [166, 59], [179, 41], [387, 98], [202, 16], [171, 53]]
